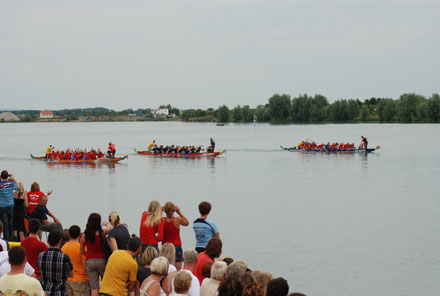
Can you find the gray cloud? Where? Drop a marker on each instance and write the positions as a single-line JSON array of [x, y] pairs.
[[137, 54]]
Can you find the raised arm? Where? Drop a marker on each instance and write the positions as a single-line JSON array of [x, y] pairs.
[[26, 201], [11, 178], [182, 219], [107, 228]]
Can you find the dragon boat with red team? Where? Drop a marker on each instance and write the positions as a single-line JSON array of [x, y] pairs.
[[311, 146], [323, 150], [96, 160], [181, 155]]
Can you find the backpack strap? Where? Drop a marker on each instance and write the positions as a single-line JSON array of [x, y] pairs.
[[198, 220]]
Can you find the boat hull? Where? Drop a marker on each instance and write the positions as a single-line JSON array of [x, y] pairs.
[[368, 150], [181, 155], [99, 160]]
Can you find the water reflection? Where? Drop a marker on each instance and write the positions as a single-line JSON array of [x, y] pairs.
[[211, 162], [82, 165]]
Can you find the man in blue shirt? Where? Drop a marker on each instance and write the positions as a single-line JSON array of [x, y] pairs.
[[204, 228], [41, 212], [7, 187]]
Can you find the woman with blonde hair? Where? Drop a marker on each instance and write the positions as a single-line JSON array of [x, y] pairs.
[[20, 202], [151, 228], [168, 251], [171, 232], [119, 235], [144, 269], [151, 285]]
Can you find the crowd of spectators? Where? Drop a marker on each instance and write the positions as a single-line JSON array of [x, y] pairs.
[[110, 260]]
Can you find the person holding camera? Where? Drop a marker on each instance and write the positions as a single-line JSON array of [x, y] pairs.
[[8, 185]]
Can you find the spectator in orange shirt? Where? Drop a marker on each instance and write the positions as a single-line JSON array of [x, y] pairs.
[[78, 285]]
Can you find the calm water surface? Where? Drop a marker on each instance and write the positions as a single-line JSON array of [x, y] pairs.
[[348, 224]]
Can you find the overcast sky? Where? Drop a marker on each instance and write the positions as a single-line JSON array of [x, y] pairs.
[[205, 53]]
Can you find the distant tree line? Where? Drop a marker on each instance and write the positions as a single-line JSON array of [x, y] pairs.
[[307, 109], [281, 108]]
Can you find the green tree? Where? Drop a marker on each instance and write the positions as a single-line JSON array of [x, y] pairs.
[[407, 107], [301, 108], [72, 116], [248, 113], [422, 112], [365, 112], [338, 111], [318, 108], [353, 109], [223, 114], [186, 115], [237, 113], [28, 118], [262, 113], [387, 110], [434, 108], [279, 108]]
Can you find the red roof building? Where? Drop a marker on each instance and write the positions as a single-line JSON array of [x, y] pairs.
[[46, 114]]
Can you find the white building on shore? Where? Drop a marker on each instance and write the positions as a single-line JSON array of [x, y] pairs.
[[46, 114], [161, 112]]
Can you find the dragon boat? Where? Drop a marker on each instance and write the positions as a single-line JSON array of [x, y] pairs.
[[295, 149], [98, 160], [181, 155]]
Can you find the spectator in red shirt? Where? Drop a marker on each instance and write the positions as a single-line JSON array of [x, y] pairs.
[[151, 228], [171, 231], [34, 196], [33, 245], [213, 250]]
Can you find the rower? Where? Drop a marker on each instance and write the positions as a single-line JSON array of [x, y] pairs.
[[151, 145], [111, 150], [364, 142]]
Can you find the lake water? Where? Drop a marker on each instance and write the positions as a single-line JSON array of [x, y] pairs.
[[331, 224]]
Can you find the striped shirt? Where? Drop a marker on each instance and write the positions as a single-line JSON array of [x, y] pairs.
[[7, 189], [54, 267]]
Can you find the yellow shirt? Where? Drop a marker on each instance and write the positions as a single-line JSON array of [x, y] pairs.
[[20, 284], [48, 150], [79, 271], [151, 145], [120, 269]]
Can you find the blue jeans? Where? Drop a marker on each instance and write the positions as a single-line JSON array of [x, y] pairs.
[[7, 217]]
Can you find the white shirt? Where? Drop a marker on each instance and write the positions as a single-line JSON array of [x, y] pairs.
[[4, 244], [5, 267], [194, 290], [171, 268], [209, 287]]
